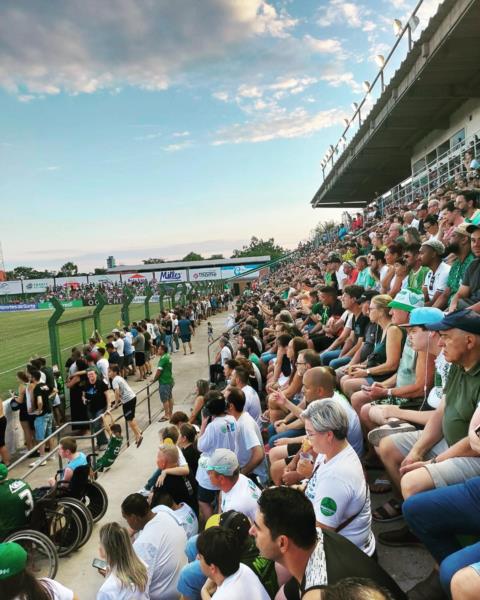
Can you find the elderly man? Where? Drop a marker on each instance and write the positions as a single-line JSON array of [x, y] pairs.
[[441, 454]]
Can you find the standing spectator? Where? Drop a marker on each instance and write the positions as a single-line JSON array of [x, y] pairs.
[[127, 575], [23, 399], [165, 380], [42, 411], [96, 399], [240, 379], [185, 331], [102, 364], [139, 345], [126, 396]]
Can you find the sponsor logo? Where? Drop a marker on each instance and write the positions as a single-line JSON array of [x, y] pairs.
[[170, 276], [205, 275], [328, 506]]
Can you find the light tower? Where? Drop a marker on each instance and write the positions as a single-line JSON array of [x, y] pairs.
[[3, 274]]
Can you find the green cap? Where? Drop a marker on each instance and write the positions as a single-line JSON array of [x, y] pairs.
[[3, 472], [13, 559], [407, 300]]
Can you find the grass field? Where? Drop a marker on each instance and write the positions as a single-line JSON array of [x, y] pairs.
[[25, 334]]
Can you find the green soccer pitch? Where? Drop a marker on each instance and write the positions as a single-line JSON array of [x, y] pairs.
[[24, 335]]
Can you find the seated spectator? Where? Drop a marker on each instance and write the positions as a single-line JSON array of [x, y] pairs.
[[160, 543], [439, 455], [240, 380], [180, 511], [468, 294], [67, 450], [127, 575], [355, 588], [461, 248], [337, 487], [467, 203], [285, 531], [417, 272], [228, 579], [435, 283]]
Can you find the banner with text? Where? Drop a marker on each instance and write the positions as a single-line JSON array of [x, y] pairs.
[[208, 274], [17, 307], [236, 270], [64, 303]]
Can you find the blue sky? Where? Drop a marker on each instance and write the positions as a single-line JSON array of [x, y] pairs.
[[140, 128]]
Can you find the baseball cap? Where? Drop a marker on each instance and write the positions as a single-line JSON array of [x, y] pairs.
[[407, 300], [424, 315], [367, 296], [3, 472], [350, 263], [436, 245], [223, 461], [115, 330], [13, 559], [462, 229], [464, 319]]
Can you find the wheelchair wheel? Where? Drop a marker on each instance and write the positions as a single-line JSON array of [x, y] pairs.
[[42, 555], [96, 500], [84, 515], [64, 528]]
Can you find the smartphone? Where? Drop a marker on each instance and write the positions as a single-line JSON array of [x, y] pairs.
[[98, 563]]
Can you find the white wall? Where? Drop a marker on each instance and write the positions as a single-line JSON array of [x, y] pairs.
[[467, 116]]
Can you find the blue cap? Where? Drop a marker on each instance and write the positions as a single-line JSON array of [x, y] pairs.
[[426, 315], [465, 319]]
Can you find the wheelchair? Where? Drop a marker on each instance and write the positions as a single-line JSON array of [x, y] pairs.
[[42, 553]]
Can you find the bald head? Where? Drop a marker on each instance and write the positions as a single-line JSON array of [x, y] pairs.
[[318, 383]]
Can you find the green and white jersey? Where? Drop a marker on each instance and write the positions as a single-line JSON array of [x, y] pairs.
[[16, 503]]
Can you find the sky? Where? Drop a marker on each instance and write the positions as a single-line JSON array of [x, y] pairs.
[[149, 128]]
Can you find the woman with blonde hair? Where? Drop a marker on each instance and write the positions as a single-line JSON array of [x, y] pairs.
[[127, 576]]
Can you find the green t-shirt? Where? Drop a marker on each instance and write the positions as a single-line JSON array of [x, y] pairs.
[[254, 359], [165, 363], [16, 503], [317, 308], [263, 568], [416, 278], [462, 396], [456, 274], [111, 453]]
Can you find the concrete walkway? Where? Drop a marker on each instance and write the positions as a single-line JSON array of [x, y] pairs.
[[134, 466]]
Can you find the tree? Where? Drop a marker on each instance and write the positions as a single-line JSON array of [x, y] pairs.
[[99, 271], [152, 261], [216, 256], [68, 270], [192, 256], [27, 273], [259, 247]]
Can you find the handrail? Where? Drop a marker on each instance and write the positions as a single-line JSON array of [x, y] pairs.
[[93, 434]]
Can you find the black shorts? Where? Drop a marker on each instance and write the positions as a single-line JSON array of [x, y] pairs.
[[139, 359], [207, 496], [129, 409], [292, 449], [3, 428]]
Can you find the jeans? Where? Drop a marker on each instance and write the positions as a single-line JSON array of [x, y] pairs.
[[336, 363], [169, 342], [175, 339], [153, 479], [326, 357], [101, 439], [191, 578], [290, 433], [438, 516]]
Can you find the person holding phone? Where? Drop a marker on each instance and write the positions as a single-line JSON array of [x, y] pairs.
[[126, 574]]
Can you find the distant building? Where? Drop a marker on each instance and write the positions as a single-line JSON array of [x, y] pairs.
[[111, 262]]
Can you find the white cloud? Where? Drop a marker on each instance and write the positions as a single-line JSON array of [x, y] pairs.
[[82, 47], [297, 123], [249, 91], [149, 136], [222, 96], [181, 134], [177, 147], [336, 79], [323, 46], [50, 168], [339, 12]]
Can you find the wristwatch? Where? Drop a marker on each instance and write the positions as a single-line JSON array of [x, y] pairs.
[[367, 372]]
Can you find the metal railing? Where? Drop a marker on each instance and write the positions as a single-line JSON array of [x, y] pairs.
[[63, 430]]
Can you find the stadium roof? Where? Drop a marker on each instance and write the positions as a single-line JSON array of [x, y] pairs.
[[438, 75], [191, 264]]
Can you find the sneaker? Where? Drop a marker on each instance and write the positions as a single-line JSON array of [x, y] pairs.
[[428, 589], [38, 463], [399, 537], [144, 492], [391, 428]]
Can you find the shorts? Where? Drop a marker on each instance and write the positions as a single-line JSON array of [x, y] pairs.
[[129, 409], [165, 390], [207, 496], [476, 567], [139, 359], [121, 362], [186, 338], [3, 429], [128, 360], [447, 472], [43, 426], [292, 449]]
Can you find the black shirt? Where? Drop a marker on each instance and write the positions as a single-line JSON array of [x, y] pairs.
[[191, 455], [95, 395], [373, 333], [180, 489], [41, 389]]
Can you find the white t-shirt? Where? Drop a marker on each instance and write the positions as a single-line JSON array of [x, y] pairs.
[[161, 545], [437, 282], [126, 392], [60, 592], [338, 490], [219, 433], [258, 376], [242, 584], [112, 590], [249, 436], [243, 497], [118, 345], [225, 355], [102, 365], [252, 403], [184, 517]]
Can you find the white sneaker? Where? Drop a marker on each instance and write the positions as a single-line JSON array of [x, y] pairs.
[[144, 492], [38, 463]]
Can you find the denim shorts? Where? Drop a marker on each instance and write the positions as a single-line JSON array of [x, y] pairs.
[[43, 426]]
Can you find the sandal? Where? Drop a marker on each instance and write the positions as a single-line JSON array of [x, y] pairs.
[[380, 486], [163, 419], [139, 441], [388, 512]]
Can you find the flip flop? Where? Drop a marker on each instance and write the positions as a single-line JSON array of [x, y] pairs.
[[388, 512], [162, 420], [380, 486], [139, 441]]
